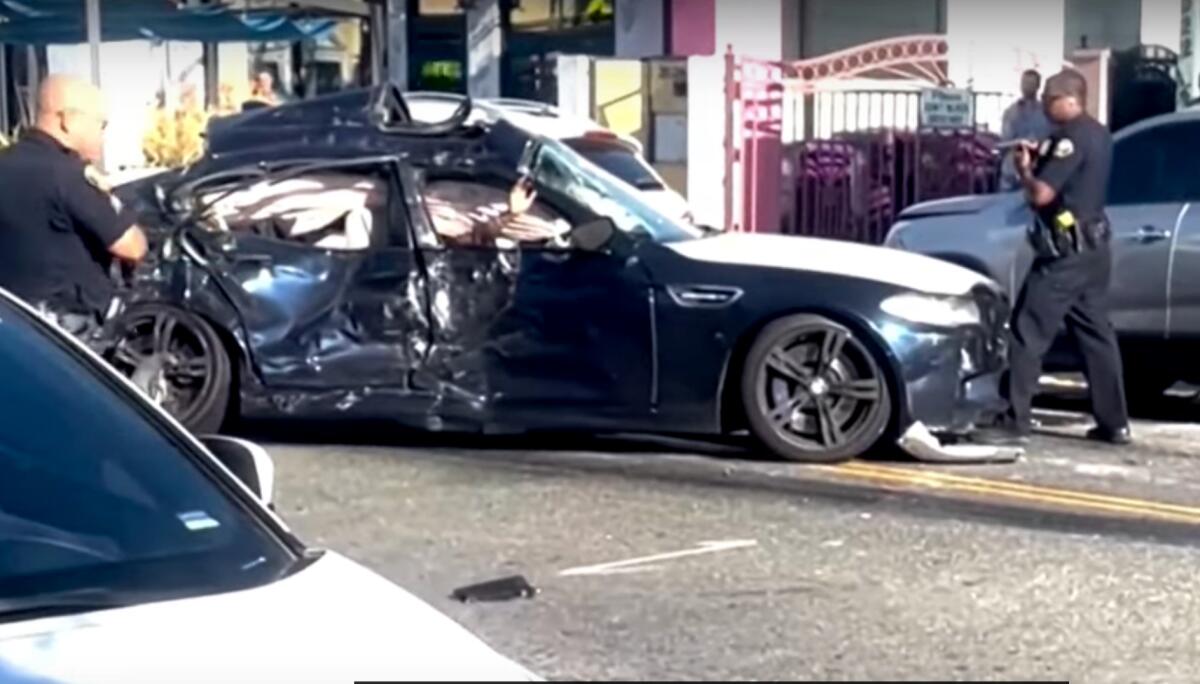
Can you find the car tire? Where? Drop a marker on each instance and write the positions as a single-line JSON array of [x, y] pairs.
[[179, 361], [814, 391]]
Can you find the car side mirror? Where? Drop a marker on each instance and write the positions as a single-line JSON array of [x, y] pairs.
[[593, 236], [248, 462]]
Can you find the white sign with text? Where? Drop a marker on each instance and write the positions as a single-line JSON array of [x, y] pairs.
[[947, 108]]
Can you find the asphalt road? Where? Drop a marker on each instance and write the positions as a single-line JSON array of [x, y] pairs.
[[1077, 563]]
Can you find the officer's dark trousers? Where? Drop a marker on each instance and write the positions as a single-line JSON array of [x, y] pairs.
[[1072, 290]]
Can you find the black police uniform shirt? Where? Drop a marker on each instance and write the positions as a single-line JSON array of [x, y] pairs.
[[1076, 161], [55, 227]]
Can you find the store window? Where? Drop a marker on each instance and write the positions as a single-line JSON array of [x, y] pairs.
[[558, 14], [1099, 24]]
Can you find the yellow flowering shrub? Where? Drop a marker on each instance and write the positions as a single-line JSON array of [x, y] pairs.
[[174, 138]]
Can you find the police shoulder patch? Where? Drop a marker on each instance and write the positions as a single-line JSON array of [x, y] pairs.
[[1064, 148], [97, 179]]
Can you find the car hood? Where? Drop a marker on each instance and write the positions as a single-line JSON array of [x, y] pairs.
[[333, 622], [967, 204], [834, 257]]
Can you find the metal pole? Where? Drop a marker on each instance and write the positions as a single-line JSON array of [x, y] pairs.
[[93, 35], [397, 43], [4, 120], [212, 75], [378, 42], [34, 80]]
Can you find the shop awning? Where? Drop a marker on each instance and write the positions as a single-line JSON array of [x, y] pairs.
[[42, 22]]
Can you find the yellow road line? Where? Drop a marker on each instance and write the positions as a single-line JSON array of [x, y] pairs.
[[1013, 490]]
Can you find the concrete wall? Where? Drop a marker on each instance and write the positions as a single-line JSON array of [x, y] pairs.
[[1161, 23], [705, 139], [991, 43], [485, 42], [693, 27], [1189, 62], [753, 27]]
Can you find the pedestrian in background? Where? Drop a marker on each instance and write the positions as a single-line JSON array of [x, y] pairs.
[[262, 91], [1024, 119]]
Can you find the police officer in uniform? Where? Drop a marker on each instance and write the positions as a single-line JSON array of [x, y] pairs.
[[1065, 179], [60, 228]]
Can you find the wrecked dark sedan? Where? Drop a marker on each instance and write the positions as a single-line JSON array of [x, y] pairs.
[[304, 273]]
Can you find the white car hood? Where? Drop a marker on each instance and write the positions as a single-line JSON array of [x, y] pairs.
[[333, 623], [880, 264]]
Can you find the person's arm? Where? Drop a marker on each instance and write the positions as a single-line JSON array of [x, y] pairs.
[[94, 213], [1064, 160]]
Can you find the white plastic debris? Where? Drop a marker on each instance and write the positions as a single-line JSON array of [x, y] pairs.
[[919, 443]]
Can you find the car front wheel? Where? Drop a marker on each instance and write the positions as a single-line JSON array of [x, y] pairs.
[[814, 392], [178, 361]]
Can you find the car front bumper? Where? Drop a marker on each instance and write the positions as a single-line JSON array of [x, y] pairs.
[[950, 377]]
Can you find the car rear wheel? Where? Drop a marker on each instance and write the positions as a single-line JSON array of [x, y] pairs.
[[814, 392], [178, 360]]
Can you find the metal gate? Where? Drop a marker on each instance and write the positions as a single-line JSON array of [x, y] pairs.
[[810, 158]]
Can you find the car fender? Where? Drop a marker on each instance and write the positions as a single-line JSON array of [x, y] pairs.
[[729, 394]]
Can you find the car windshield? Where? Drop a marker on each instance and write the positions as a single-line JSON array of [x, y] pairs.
[[99, 495], [562, 169], [621, 163]]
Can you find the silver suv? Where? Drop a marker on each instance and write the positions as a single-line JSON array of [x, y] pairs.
[[1152, 197]]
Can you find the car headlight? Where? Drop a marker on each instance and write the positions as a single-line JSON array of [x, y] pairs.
[[933, 310], [895, 238]]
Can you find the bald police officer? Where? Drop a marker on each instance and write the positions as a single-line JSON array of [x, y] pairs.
[[1065, 178], [60, 228]]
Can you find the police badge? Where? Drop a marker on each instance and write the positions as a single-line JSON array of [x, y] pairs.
[[100, 182], [1064, 148]]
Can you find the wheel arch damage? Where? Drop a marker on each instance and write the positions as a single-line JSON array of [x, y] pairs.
[[187, 284], [730, 409]]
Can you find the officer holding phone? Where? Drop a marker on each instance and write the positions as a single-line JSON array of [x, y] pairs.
[[1065, 178]]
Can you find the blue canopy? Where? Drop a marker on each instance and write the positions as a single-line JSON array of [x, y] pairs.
[[42, 22]]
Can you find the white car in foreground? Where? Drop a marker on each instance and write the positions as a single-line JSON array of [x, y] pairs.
[[620, 155], [131, 552]]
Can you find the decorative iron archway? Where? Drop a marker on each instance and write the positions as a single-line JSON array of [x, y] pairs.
[[921, 57]]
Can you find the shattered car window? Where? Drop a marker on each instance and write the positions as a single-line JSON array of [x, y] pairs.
[[327, 210], [475, 214], [562, 169]]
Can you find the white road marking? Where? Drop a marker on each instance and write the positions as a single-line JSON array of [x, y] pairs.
[[1103, 470], [624, 566]]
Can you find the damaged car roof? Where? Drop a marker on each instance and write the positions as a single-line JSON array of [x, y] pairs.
[[359, 123]]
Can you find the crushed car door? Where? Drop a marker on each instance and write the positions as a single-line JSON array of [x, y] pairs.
[[540, 336], [319, 264]]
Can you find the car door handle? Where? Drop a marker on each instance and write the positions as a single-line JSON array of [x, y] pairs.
[[1148, 234]]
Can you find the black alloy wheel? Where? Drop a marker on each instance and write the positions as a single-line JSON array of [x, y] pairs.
[[814, 392], [178, 361]]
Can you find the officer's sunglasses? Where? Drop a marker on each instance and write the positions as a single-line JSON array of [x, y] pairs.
[[79, 112]]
